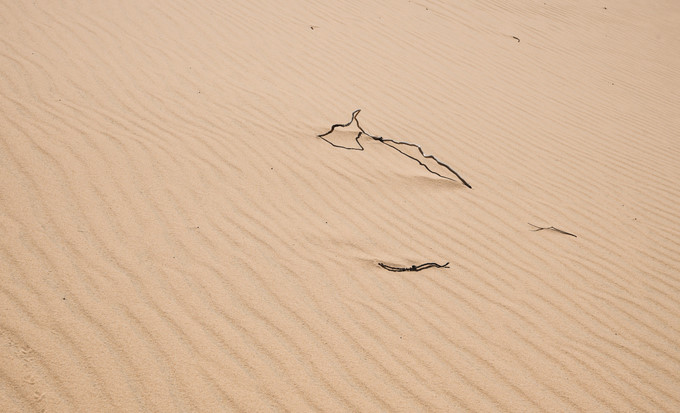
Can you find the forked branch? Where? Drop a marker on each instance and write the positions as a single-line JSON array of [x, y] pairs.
[[552, 229], [391, 143]]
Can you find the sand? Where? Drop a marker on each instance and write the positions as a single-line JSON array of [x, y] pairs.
[[176, 238]]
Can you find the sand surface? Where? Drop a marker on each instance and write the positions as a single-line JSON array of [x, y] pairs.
[[176, 238]]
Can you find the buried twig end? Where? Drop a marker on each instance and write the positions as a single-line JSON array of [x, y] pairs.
[[414, 267]]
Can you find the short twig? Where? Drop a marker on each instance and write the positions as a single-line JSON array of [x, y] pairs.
[[550, 228], [516, 38], [414, 267], [390, 143]]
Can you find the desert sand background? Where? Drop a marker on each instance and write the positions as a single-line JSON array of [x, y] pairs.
[[176, 238]]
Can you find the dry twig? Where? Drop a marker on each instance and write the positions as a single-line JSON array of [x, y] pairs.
[[552, 229], [391, 143], [414, 267]]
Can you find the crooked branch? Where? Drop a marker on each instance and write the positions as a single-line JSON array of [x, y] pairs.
[[391, 143], [413, 267]]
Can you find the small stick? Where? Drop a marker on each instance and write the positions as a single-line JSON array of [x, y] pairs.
[[413, 267], [550, 228], [516, 38]]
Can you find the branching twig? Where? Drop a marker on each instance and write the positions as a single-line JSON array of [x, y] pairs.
[[550, 228], [344, 125], [413, 267], [389, 143]]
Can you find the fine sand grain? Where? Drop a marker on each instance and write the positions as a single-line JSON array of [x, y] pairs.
[[176, 238]]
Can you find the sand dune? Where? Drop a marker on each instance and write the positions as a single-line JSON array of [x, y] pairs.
[[176, 237]]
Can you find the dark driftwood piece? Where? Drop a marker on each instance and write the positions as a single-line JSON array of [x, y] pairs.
[[552, 229], [391, 143], [413, 267]]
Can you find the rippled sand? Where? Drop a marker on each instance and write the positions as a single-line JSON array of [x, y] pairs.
[[176, 238]]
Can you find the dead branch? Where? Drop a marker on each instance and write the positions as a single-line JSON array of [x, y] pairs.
[[391, 143], [413, 267], [550, 228]]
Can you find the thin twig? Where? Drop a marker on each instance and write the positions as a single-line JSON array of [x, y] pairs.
[[418, 160], [341, 125], [550, 228], [387, 142], [360, 148], [413, 267]]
